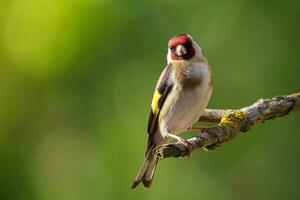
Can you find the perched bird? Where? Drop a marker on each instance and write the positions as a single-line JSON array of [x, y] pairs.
[[181, 96]]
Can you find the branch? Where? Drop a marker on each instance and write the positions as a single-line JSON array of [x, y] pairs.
[[231, 123]]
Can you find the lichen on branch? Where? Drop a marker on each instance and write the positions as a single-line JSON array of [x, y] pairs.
[[233, 119]]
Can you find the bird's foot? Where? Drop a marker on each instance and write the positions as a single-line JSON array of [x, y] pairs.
[[211, 147], [215, 145], [186, 143]]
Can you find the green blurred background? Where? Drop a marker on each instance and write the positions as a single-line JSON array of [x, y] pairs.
[[76, 82]]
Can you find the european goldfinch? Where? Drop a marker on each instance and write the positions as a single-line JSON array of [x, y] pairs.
[[181, 96]]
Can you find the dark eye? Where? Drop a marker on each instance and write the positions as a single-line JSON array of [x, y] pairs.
[[173, 49], [188, 44]]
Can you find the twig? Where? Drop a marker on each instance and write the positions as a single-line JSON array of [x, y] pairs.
[[232, 122]]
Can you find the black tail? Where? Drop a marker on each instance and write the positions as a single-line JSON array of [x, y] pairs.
[[146, 172]]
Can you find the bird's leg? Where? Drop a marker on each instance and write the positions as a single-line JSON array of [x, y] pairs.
[[183, 141]]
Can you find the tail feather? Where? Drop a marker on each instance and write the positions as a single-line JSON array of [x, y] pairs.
[[146, 172], [149, 174], [140, 174]]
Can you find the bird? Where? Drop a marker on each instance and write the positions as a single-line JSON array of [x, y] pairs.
[[181, 95]]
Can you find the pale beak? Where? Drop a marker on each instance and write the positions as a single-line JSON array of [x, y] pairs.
[[181, 50]]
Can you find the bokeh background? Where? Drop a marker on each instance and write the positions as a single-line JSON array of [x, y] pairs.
[[76, 82]]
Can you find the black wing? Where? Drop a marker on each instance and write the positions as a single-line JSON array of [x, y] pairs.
[[162, 90]]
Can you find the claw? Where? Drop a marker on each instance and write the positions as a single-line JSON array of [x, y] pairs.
[[183, 141], [189, 146]]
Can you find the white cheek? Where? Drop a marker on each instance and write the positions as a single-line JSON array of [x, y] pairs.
[[169, 58], [197, 49]]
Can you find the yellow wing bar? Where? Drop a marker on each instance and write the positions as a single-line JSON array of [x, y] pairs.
[[154, 104]]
